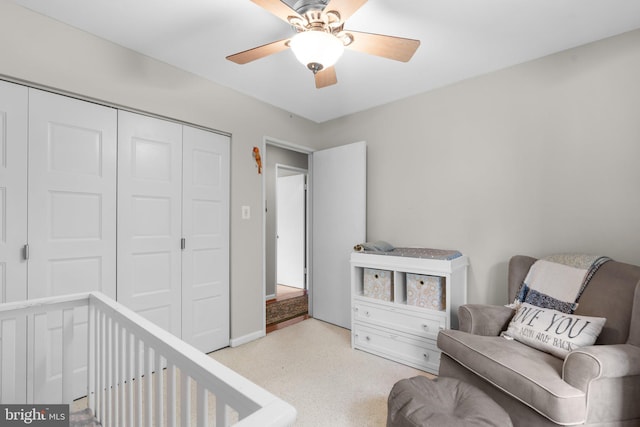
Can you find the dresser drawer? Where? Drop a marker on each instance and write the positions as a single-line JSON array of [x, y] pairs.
[[421, 354], [404, 319]]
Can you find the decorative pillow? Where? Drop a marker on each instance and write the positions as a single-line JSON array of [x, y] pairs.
[[552, 331]]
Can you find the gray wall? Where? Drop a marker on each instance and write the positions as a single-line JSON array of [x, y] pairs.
[[276, 155], [535, 159], [44, 52]]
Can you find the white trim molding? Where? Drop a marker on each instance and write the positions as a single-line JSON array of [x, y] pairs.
[[235, 342]]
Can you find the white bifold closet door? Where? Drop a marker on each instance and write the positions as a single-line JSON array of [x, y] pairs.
[[13, 191], [13, 233], [71, 222], [173, 227], [149, 218], [205, 258]]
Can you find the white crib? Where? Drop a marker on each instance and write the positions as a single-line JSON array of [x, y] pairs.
[[136, 374]]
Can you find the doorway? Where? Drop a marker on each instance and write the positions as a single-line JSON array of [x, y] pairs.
[[286, 236]]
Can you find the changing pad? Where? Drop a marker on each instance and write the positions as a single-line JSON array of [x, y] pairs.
[[443, 254]]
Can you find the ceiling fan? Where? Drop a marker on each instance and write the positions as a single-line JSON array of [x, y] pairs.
[[321, 38]]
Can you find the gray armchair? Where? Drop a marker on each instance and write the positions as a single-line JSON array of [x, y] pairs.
[[597, 385]]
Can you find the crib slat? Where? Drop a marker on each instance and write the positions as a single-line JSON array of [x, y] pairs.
[[203, 407], [6, 335], [108, 410], [221, 412], [139, 374], [7, 382], [31, 345], [67, 355], [185, 400], [13, 360], [115, 369], [100, 368], [91, 361], [131, 373], [171, 395], [122, 348], [148, 361], [158, 391]]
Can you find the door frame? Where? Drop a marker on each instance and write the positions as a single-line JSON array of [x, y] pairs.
[[300, 149]]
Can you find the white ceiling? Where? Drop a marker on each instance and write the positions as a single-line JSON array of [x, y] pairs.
[[459, 39]]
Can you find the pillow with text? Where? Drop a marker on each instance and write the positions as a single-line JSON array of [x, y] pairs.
[[553, 331]]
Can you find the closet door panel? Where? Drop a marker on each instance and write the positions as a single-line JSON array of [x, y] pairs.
[[149, 218], [71, 221], [72, 196], [205, 274], [13, 191], [13, 234]]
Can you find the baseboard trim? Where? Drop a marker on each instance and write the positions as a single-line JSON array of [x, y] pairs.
[[235, 342]]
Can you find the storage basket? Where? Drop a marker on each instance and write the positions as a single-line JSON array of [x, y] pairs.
[[378, 284], [426, 291]]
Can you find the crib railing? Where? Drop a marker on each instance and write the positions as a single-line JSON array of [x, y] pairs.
[[132, 372]]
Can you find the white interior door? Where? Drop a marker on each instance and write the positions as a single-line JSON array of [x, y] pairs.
[[13, 191], [149, 218], [290, 224], [71, 218], [205, 258], [339, 187], [13, 233]]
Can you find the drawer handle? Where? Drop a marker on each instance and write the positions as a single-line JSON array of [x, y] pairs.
[[426, 356], [425, 327], [366, 313], [368, 338], [355, 309]]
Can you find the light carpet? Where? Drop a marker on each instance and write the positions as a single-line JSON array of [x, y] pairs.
[[312, 366]]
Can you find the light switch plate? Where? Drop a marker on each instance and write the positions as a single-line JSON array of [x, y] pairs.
[[246, 212]]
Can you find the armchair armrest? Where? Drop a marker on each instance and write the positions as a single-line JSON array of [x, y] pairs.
[[585, 364], [483, 319]]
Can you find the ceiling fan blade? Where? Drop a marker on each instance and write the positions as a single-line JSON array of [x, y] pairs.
[[397, 48], [345, 8], [278, 8], [259, 52], [326, 77]]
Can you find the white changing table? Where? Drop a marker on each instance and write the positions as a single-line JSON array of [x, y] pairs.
[[398, 331]]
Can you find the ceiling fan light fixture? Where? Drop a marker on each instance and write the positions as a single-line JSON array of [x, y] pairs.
[[316, 50]]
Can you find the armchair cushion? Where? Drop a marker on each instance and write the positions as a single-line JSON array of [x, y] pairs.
[[528, 375]]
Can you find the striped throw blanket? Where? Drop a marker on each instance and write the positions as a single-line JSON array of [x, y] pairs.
[[558, 281]]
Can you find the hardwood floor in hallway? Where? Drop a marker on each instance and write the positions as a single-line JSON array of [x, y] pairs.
[[290, 306]]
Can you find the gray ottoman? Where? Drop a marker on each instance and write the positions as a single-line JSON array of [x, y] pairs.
[[418, 401]]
